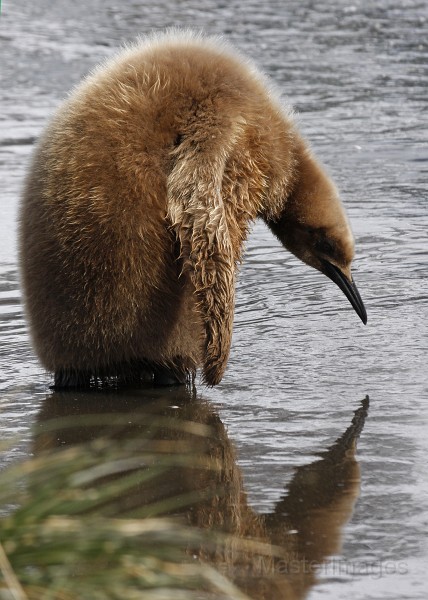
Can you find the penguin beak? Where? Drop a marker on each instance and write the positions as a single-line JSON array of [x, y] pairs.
[[348, 287]]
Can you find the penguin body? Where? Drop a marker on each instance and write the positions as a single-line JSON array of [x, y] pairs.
[[139, 200]]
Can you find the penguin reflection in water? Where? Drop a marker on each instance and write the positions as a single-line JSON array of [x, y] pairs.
[[139, 200], [202, 487]]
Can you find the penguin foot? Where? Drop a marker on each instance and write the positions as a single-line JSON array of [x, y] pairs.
[[122, 375], [162, 376], [65, 379]]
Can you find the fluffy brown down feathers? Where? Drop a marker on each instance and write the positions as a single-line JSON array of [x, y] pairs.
[[139, 199]]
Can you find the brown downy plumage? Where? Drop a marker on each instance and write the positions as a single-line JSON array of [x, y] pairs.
[[138, 202]]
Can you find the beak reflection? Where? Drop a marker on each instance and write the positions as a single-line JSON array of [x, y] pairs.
[[348, 288]]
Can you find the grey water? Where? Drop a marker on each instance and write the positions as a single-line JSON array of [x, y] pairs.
[[356, 73]]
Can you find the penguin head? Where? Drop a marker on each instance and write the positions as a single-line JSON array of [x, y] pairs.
[[313, 226]]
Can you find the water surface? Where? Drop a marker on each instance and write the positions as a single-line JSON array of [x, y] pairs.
[[301, 361]]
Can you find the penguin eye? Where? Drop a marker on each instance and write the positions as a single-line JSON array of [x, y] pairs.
[[325, 247]]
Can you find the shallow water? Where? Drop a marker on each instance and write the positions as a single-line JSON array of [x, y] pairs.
[[301, 361]]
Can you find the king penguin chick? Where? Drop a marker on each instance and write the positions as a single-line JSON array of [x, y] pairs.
[[138, 202]]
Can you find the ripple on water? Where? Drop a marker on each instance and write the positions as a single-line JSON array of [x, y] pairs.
[[17, 360]]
